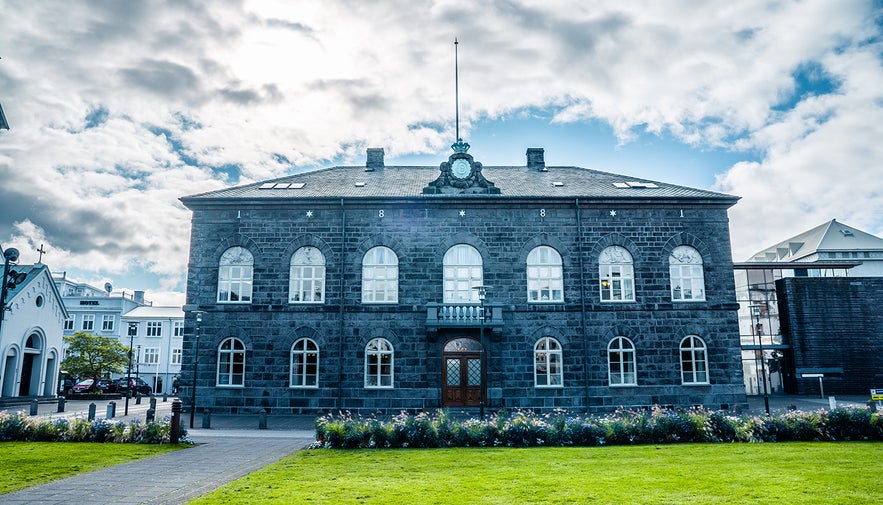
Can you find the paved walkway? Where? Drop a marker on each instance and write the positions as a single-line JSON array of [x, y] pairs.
[[232, 448]]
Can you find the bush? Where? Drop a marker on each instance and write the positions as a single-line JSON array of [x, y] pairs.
[[656, 426], [22, 428]]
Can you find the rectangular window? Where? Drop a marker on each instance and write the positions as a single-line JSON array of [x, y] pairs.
[[107, 322], [151, 356], [178, 330], [69, 324], [154, 328], [176, 356], [88, 322]]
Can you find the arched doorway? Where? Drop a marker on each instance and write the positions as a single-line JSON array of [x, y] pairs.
[[461, 373], [51, 375], [9, 367], [30, 366]]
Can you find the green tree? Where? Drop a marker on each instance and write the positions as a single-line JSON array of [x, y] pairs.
[[91, 355]]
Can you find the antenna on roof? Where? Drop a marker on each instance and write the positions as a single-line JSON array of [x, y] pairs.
[[456, 90]]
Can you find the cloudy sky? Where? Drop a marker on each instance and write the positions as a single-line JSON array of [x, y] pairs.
[[117, 109]]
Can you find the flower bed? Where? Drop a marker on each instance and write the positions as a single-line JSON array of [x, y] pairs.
[[23, 428], [655, 426]]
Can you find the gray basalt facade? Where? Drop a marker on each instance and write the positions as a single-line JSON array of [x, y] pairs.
[[460, 286]]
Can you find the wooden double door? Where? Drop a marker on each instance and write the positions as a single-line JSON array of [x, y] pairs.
[[462, 373]]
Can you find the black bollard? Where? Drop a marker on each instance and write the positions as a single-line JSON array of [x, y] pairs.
[[61, 401], [111, 409], [151, 415], [262, 419], [91, 411], [175, 434], [207, 419], [35, 406], [165, 397], [153, 402], [138, 398]]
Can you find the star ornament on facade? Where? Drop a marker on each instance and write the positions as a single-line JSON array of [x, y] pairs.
[[309, 213], [462, 213], [612, 213]]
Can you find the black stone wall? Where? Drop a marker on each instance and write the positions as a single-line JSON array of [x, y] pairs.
[[504, 231]]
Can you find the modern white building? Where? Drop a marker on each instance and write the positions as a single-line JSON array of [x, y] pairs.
[[157, 341], [30, 333], [94, 310]]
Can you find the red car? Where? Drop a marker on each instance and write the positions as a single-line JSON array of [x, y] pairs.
[[84, 386]]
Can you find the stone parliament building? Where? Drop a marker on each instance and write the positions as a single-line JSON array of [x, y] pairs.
[[388, 288]]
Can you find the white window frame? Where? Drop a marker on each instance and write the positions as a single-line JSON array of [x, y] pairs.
[[687, 274], [151, 356], [463, 271], [548, 363], [235, 276], [107, 321], [154, 329], [231, 363], [379, 364], [545, 275], [304, 364], [622, 367], [177, 354], [694, 361], [380, 276], [177, 328], [69, 324], [88, 323], [307, 276], [616, 275]]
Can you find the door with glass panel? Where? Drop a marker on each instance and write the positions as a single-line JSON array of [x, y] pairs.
[[461, 373]]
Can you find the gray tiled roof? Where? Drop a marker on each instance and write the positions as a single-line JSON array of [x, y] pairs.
[[409, 181]]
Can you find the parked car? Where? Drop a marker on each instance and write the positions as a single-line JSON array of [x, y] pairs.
[[84, 386], [136, 383], [107, 386]]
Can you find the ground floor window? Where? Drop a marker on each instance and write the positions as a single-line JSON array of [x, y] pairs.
[[621, 362], [547, 363], [378, 364], [694, 362], [231, 363], [304, 364]]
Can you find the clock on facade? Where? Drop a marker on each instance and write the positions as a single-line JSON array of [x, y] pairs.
[[461, 168]]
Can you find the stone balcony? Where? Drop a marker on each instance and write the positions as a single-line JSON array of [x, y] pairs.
[[465, 316]]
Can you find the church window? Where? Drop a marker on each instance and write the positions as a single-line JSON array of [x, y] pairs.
[[235, 271], [231, 363], [545, 280], [616, 275], [462, 273], [379, 364], [687, 277], [307, 279], [304, 364], [547, 360], [380, 276]]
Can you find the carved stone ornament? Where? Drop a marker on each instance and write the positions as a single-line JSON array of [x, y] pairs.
[[460, 174]]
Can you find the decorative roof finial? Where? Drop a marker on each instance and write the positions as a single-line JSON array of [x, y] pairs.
[[459, 146]]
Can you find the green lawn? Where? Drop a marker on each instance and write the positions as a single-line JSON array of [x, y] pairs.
[[784, 473], [25, 464]]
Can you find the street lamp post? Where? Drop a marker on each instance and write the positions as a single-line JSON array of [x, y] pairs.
[[482, 294], [133, 329], [758, 330], [11, 278], [195, 366]]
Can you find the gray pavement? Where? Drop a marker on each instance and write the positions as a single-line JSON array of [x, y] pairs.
[[232, 448]]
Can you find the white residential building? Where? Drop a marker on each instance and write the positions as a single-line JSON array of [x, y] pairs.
[[157, 343]]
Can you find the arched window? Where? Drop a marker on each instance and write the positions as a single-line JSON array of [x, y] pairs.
[[616, 274], [307, 278], [378, 364], [547, 360], [235, 275], [694, 362], [380, 276], [304, 364], [231, 363], [462, 272], [687, 276], [621, 362], [545, 278]]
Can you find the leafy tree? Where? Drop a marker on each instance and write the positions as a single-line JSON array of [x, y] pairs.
[[91, 355]]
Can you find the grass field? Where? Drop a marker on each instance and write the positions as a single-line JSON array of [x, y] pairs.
[[25, 464], [784, 473]]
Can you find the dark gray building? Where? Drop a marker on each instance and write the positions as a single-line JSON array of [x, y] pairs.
[[392, 287]]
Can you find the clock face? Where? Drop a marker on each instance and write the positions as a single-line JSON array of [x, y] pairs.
[[461, 169]]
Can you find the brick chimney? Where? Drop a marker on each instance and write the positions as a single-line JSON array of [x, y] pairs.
[[536, 159], [375, 159]]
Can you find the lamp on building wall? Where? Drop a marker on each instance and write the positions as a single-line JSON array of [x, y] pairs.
[[133, 329], [482, 294], [195, 365], [11, 279]]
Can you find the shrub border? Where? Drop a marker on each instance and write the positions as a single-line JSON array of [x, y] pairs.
[[19, 427]]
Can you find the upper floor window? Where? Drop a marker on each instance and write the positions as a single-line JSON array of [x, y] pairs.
[[547, 359], [462, 272], [69, 324], [616, 274], [88, 322], [178, 328], [107, 322], [545, 278], [621, 362], [176, 356], [304, 364], [231, 363], [151, 356], [378, 364], [235, 276], [694, 361], [380, 276], [307, 278], [154, 328], [687, 277]]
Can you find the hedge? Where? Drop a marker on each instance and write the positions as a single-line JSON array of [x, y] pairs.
[[19, 427], [624, 427]]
